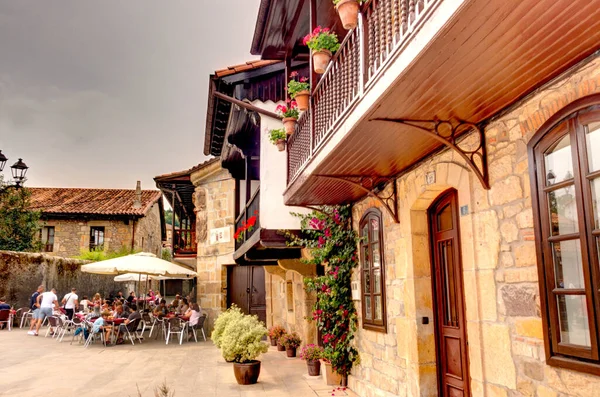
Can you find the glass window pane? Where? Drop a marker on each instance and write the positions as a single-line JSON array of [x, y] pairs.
[[365, 232], [446, 254], [568, 267], [377, 281], [573, 320], [376, 256], [558, 161], [595, 197], [378, 309], [368, 315], [592, 139], [444, 219], [366, 258], [374, 229], [563, 211], [367, 281]]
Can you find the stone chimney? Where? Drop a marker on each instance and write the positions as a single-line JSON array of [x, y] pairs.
[[137, 202]]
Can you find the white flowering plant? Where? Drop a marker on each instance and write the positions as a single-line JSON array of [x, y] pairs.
[[241, 341], [234, 312]]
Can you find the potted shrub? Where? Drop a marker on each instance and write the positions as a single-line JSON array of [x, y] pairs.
[[330, 376], [291, 342], [289, 114], [222, 321], [277, 137], [241, 343], [348, 12], [275, 332], [299, 90], [312, 354], [323, 43]]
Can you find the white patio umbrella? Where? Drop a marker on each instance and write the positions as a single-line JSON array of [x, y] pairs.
[[142, 263], [130, 277]]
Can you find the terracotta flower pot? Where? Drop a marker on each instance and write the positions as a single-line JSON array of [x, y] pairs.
[[291, 351], [348, 12], [280, 347], [290, 125], [331, 378], [281, 147], [314, 367], [302, 100], [246, 373], [321, 60], [274, 340]]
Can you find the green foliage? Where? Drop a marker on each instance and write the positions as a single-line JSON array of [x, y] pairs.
[[169, 218], [295, 86], [329, 236], [322, 39], [275, 135], [19, 225], [358, 1], [99, 254], [241, 341], [276, 331], [311, 352], [290, 340], [166, 254], [234, 312]]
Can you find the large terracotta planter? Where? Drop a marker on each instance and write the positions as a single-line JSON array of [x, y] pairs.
[[314, 367], [348, 12], [331, 378], [291, 352], [246, 373], [290, 125], [280, 347], [321, 60], [274, 340], [281, 147], [302, 100]]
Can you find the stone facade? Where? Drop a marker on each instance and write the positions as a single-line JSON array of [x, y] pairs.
[[504, 327], [215, 209], [73, 236]]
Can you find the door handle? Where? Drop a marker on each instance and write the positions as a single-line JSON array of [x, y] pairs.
[[247, 290]]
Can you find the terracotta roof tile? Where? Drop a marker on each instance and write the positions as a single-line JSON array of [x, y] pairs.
[[250, 65], [91, 201], [185, 172]]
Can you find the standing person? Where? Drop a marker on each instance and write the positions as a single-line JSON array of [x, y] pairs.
[[46, 301], [70, 301], [35, 308]]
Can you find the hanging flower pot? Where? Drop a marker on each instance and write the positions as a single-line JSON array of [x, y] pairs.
[[281, 147], [289, 115], [348, 12], [277, 138], [299, 90], [289, 123], [302, 99], [323, 44]]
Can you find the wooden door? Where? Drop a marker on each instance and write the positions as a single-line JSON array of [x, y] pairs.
[[246, 288], [449, 306]]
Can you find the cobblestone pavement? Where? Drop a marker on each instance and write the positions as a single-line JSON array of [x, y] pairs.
[[38, 366]]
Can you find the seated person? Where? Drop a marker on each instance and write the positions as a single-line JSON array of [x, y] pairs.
[[131, 297], [119, 312], [3, 304], [120, 297], [161, 310], [132, 316], [85, 303], [97, 299], [175, 303], [158, 298], [184, 307], [101, 326], [195, 314]]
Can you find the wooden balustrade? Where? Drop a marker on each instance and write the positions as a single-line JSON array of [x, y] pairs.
[[384, 27], [185, 241]]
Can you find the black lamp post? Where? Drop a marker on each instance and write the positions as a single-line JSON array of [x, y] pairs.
[[18, 171]]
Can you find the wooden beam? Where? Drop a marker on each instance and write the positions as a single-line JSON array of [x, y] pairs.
[[246, 105]]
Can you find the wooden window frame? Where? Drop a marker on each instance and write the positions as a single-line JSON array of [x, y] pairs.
[[95, 246], [368, 324], [570, 120], [45, 245]]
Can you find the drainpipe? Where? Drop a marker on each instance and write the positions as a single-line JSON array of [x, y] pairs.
[[133, 234]]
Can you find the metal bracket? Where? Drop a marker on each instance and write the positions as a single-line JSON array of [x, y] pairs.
[[447, 132], [374, 186]]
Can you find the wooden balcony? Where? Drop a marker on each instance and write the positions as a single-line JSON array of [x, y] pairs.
[[251, 210], [184, 242]]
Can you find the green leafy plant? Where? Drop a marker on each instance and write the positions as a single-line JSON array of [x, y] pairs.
[[98, 254], [275, 135], [276, 331], [297, 85], [241, 341], [221, 323], [358, 1], [290, 341], [332, 242], [311, 352], [322, 39], [19, 227], [288, 111]]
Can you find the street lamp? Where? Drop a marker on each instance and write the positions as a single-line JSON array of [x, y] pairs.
[[2, 161], [18, 171]]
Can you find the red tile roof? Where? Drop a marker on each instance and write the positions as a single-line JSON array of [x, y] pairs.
[[187, 172], [91, 201], [250, 65]]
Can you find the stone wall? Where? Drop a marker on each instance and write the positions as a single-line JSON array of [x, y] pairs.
[[21, 273], [504, 327], [148, 237], [215, 208]]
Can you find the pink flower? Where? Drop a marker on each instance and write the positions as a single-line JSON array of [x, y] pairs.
[[303, 79], [321, 241], [294, 74], [327, 232]]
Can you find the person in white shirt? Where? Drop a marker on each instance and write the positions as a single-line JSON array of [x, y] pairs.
[[70, 302], [46, 302]]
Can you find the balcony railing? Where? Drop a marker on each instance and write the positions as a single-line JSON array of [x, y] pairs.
[[250, 215], [385, 26], [184, 242]]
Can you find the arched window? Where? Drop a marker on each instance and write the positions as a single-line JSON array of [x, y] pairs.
[[372, 271], [565, 174]]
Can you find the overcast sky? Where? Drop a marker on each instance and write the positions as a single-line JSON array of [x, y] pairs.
[[104, 93]]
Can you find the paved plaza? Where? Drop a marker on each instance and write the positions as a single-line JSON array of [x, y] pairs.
[[38, 366]]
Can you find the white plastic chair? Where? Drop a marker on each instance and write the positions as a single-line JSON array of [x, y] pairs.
[[177, 327]]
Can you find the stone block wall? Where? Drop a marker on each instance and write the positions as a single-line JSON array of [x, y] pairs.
[[148, 235], [504, 327]]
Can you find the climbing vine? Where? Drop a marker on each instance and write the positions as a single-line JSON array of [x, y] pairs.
[[332, 242]]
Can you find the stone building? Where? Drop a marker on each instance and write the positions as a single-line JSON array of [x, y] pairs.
[[465, 134], [76, 220]]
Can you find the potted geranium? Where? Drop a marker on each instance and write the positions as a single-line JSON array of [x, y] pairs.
[[276, 332], [289, 114], [312, 354], [277, 137], [291, 342], [348, 12], [299, 90], [323, 43], [242, 343]]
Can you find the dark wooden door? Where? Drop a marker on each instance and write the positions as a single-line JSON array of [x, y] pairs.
[[246, 288], [449, 306]]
